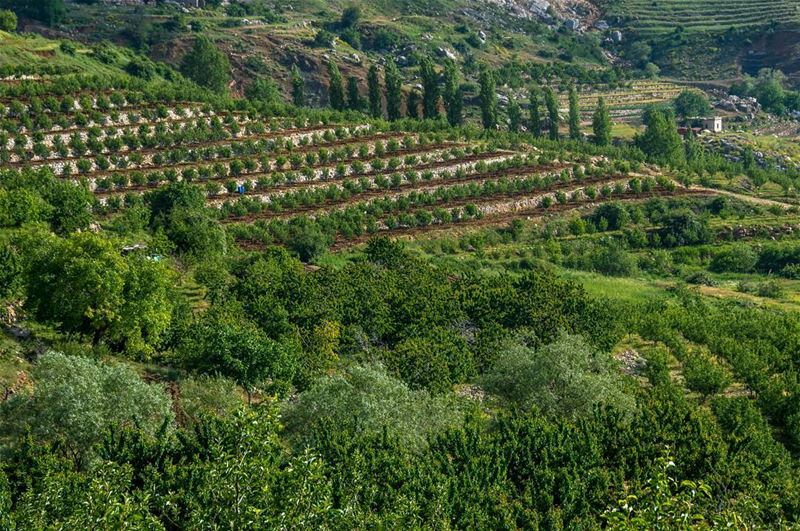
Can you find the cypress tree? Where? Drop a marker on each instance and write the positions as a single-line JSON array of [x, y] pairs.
[[536, 117], [695, 153], [454, 98], [394, 91], [601, 123], [430, 88], [514, 116], [354, 99], [574, 115], [412, 104], [374, 87], [298, 88], [488, 98], [552, 111], [335, 88]]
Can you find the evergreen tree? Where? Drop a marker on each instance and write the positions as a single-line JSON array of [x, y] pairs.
[[50, 12], [552, 111], [536, 118], [695, 153], [374, 87], [394, 91], [574, 115], [412, 104], [488, 98], [206, 65], [430, 88], [453, 95], [514, 116], [335, 88], [601, 123], [661, 142], [354, 99], [298, 88]]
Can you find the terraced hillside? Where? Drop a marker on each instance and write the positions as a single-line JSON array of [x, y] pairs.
[[352, 179], [649, 17]]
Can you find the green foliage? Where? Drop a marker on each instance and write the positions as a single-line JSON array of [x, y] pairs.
[[394, 94], [366, 401], [335, 87], [664, 502], [552, 112], [354, 100], [735, 259], [83, 285], [298, 88], [601, 123], [224, 343], [566, 378], [574, 115], [75, 401], [263, 90], [514, 116], [206, 65], [430, 88], [704, 375], [453, 95], [306, 239], [684, 227], [207, 396], [435, 361], [691, 104], [374, 91], [488, 98], [50, 12], [661, 141], [8, 20], [535, 112]]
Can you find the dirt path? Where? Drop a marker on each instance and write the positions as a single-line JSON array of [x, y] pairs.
[[744, 197]]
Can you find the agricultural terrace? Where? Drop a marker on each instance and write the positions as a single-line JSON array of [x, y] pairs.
[[625, 103], [263, 173], [710, 16]]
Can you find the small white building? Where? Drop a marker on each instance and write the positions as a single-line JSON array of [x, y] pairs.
[[713, 124]]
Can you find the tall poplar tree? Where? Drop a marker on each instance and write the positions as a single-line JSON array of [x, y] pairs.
[[394, 91], [354, 99], [514, 116], [412, 104], [430, 88], [453, 95], [488, 98], [601, 123], [574, 115], [335, 87], [551, 103], [374, 88], [536, 117]]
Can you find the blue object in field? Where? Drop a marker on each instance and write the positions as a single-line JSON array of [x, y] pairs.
[[241, 189]]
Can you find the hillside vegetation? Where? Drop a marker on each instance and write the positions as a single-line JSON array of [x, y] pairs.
[[471, 293]]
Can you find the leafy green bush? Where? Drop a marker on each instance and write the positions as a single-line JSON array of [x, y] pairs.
[[366, 401], [705, 375], [736, 259], [76, 401], [565, 378]]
